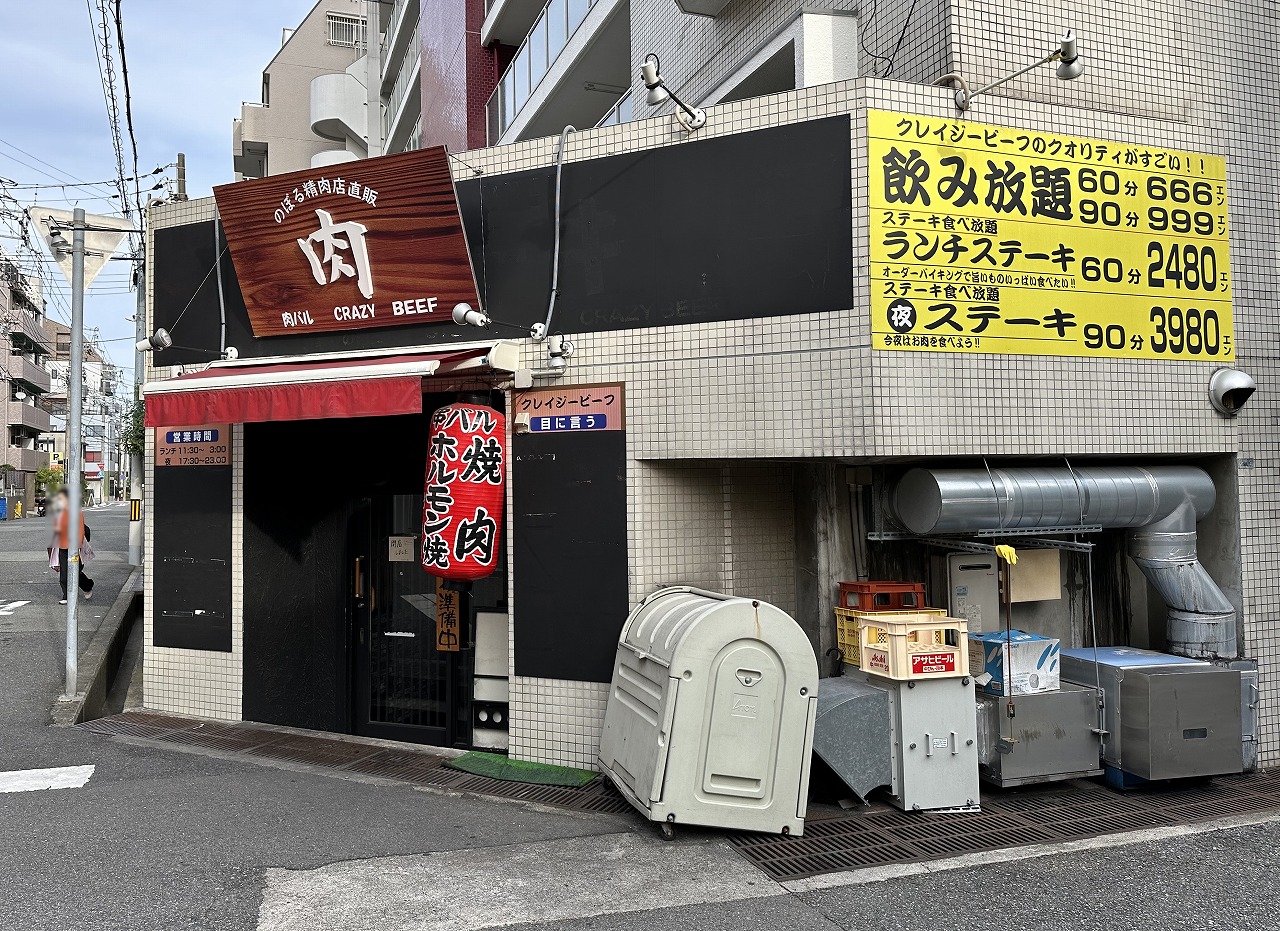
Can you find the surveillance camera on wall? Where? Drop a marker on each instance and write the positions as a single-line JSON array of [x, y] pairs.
[[1229, 389]]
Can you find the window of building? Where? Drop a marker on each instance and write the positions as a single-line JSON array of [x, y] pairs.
[[346, 31]]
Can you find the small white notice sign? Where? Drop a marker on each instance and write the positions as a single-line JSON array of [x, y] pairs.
[[400, 549]]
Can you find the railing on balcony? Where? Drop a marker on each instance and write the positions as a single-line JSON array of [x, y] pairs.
[[28, 416], [620, 112], [404, 84], [551, 32], [414, 141], [32, 376], [394, 22], [23, 328]]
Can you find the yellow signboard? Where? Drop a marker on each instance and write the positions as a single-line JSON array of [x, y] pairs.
[[990, 239]]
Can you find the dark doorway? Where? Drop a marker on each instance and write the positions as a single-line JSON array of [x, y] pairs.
[[321, 498], [405, 687]]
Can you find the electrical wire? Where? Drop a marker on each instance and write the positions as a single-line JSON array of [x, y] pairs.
[[128, 105]]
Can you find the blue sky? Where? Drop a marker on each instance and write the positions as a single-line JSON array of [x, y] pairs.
[[190, 66]]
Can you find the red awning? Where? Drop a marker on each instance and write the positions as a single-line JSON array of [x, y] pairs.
[[304, 388]]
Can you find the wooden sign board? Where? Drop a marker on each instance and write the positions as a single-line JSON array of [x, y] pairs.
[[371, 243], [571, 408], [448, 619], [204, 445]]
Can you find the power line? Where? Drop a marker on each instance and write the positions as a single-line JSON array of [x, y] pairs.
[[128, 105], [106, 71]]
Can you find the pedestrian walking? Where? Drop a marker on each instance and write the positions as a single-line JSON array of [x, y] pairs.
[[61, 540]]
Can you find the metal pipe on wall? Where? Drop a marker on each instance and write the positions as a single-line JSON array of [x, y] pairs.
[[1158, 505]]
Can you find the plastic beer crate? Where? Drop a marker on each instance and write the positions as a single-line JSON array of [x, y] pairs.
[[848, 620], [913, 646], [882, 596]]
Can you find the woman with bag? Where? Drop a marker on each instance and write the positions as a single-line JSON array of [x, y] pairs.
[[61, 540]]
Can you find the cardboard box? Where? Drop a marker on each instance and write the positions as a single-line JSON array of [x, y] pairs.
[[1032, 659]]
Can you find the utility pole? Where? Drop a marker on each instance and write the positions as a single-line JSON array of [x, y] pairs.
[[139, 374], [182, 177], [75, 468]]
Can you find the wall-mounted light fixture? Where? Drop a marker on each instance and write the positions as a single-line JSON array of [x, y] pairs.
[[161, 340], [690, 118], [1069, 68]]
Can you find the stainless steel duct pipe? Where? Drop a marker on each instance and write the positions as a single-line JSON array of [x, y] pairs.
[[1159, 505]]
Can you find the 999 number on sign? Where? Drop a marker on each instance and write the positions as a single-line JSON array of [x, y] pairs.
[[1174, 330]]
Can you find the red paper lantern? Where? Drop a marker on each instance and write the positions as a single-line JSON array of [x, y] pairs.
[[462, 499]]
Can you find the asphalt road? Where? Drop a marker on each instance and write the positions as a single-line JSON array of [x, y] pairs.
[[164, 839]]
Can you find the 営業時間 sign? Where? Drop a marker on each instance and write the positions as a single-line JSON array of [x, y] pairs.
[[371, 243], [991, 239], [205, 445]]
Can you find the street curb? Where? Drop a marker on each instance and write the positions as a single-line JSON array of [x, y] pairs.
[[99, 662]]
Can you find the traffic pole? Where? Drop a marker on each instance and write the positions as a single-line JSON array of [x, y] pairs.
[[75, 467]]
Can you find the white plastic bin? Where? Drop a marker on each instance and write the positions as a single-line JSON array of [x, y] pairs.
[[711, 712]]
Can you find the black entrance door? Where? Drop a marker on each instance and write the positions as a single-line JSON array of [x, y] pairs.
[[404, 688]]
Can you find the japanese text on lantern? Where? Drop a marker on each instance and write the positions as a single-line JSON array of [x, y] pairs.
[[991, 239], [462, 497]]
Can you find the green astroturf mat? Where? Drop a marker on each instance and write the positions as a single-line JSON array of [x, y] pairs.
[[497, 766]]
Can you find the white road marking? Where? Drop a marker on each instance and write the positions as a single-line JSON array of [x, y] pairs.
[[554, 880], [7, 608], [34, 780]]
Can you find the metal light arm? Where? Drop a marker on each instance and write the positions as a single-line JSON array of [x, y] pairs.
[[693, 117], [1067, 71]]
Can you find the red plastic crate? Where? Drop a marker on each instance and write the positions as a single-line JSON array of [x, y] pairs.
[[882, 596]]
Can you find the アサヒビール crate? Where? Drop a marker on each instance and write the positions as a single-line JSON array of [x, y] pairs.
[[917, 646], [848, 619]]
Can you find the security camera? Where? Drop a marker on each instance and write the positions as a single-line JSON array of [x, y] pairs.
[[1229, 389]]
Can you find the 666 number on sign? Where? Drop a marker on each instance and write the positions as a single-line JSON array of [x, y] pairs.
[[1173, 330]]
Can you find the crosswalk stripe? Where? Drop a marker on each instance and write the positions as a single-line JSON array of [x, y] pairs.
[[33, 780]]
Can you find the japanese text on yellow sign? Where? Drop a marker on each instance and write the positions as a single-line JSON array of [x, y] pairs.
[[988, 239]]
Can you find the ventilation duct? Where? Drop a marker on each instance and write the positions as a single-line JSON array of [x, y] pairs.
[[1158, 505]]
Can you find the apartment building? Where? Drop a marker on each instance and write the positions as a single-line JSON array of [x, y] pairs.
[[278, 133], [103, 407], [577, 60], [25, 384]]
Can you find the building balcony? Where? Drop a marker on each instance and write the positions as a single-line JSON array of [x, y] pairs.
[[339, 103], [27, 335], [404, 108], [333, 157], [571, 68], [509, 21], [400, 39], [28, 376], [28, 416], [26, 460]]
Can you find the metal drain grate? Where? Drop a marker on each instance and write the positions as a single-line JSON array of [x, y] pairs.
[[880, 835]]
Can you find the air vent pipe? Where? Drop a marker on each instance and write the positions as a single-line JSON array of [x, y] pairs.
[[1158, 505]]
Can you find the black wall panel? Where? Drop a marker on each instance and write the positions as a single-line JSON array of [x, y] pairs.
[[570, 537], [756, 224], [192, 564]]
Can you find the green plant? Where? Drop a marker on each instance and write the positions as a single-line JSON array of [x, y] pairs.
[[135, 436], [50, 478]]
